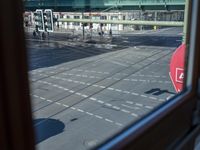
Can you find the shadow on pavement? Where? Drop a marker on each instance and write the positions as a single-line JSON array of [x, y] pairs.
[[158, 91], [46, 128], [46, 54]]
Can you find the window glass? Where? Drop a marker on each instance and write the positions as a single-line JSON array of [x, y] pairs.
[[89, 80]]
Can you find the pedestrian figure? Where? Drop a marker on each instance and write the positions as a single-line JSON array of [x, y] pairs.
[[34, 33], [43, 35], [110, 32]]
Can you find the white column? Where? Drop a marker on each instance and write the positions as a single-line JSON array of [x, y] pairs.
[[120, 17], [65, 23]]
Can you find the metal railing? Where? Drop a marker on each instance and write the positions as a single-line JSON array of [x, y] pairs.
[[127, 22]]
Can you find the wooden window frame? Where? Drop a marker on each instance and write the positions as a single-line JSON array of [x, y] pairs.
[[173, 125]]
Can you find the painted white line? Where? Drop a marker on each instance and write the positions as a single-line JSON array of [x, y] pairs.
[[136, 94], [65, 105], [115, 107], [127, 79], [153, 98], [129, 102], [126, 92], [126, 111], [102, 87], [149, 107], [138, 104], [133, 114], [66, 89], [119, 124], [100, 101], [109, 120], [35, 96], [92, 98], [84, 95], [110, 88], [89, 113], [99, 117], [128, 106], [58, 103], [143, 96], [73, 108], [107, 104], [162, 100], [49, 100], [80, 110], [118, 90]]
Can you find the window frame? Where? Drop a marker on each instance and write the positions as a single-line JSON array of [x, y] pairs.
[[16, 128]]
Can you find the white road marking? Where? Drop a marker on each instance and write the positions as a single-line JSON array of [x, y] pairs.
[[58, 103], [128, 106], [133, 114], [101, 102], [89, 113], [99, 117], [126, 111], [65, 105], [117, 90], [109, 120], [92, 98], [80, 110]]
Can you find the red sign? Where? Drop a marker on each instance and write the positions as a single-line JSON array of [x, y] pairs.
[[177, 67]]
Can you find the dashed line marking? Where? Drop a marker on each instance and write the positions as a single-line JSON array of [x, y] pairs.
[[138, 104], [149, 107], [80, 110], [107, 104], [35, 96], [99, 117], [129, 102], [71, 91], [110, 88], [117, 90], [84, 95], [49, 100], [128, 106], [136, 94], [86, 76], [100, 101], [92, 98], [109, 120], [89, 113], [65, 105], [133, 114], [143, 96], [115, 107], [73, 108], [119, 124], [126, 92]]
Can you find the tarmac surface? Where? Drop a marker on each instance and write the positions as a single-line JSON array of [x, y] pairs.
[[85, 92]]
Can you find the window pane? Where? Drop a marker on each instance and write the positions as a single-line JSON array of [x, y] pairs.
[[92, 77]]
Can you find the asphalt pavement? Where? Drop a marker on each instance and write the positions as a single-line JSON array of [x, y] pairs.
[[84, 92]]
